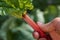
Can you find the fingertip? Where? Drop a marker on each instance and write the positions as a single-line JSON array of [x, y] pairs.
[[40, 23], [36, 35]]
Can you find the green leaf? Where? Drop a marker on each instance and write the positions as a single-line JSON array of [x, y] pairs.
[[16, 7]]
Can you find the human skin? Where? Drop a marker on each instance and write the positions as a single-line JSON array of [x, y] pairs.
[[53, 28]]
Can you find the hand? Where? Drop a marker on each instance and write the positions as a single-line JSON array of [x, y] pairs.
[[53, 28]]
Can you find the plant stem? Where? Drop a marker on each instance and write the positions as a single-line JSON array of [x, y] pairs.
[[35, 26]]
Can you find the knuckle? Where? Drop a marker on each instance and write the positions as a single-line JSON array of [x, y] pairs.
[[57, 19], [56, 22]]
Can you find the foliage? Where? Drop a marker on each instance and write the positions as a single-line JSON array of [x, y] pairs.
[[16, 7]]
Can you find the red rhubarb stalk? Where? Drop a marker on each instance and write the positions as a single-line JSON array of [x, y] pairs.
[[35, 26]]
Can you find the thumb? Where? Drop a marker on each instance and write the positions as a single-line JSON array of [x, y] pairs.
[[46, 27]]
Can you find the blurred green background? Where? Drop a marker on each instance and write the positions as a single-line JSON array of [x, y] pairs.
[[12, 28]]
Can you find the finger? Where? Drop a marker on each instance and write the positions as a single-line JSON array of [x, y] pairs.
[[42, 39], [46, 27], [56, 23], [36, 35], [41, 25]]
